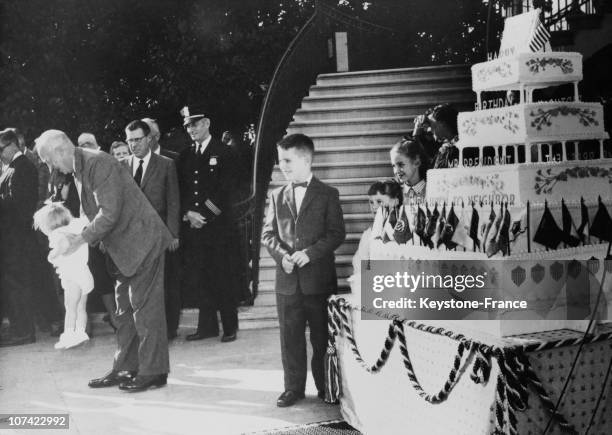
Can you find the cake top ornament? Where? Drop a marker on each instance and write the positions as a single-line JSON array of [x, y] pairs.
[[524, 33]]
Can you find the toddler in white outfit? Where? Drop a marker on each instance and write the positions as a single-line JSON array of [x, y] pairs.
[[55, 220]]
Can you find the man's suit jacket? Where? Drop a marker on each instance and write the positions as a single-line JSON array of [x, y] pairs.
[[160, 186], [206, 183], [120, 214], [318, 229]]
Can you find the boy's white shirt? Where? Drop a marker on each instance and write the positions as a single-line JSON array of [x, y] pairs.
[[300, 192]]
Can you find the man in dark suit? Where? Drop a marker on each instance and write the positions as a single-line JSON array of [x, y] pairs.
[[207, 177], [159, 183], [135, 239], [18, 198], [304, 226]]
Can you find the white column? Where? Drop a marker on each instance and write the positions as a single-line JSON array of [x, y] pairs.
[[342, 60]]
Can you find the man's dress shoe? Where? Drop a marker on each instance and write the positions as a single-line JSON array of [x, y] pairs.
[[228, 337], [144, 382], [112, 379], [288, 398], [201, 336], [17, 340]]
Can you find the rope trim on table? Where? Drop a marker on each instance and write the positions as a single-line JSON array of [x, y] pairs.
[[513, 381]]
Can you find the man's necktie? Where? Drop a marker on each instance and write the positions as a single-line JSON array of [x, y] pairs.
[[138, 176], [304, 184]]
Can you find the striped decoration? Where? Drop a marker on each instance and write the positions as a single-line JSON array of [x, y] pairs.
[[540, 37], [515, 372]]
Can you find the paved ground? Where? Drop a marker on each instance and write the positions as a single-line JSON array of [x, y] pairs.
[[214, 388]]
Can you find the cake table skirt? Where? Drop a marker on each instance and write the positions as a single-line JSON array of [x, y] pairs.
[[386, 402]]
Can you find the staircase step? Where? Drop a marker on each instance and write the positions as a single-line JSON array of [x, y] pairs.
[[355, 204], [353, 126], [367, 138], [380, 169], [360, 111], [414, 83], [431, 96], [346, 186], [363, 153], [445, 71]]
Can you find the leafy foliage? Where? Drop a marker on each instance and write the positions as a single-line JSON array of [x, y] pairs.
[[84, 65]]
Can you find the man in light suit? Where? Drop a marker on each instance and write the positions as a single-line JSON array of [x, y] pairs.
[[159, 183], [304, 226], [135, 239]]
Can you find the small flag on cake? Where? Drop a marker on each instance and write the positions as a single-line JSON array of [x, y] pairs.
[[486, 228], [567, 224], [540, 36], [474, 226], [379, 223], [420, 223], [450, 225], [519, 225], [401, 231], [461, 235], [441, 225], [389, 226], [548, 233], [583, 229], [602, 223], [430, 228]]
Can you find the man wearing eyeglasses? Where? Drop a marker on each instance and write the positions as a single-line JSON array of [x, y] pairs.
[[135, 239], [18, 198], [207, 179], [156, 176]]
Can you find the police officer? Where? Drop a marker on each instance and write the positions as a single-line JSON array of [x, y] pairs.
[[207, 179]]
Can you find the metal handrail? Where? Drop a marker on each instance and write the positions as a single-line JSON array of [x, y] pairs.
[[556, 17]]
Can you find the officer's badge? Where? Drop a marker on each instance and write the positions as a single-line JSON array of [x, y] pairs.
[[213, 161], [400, 226]]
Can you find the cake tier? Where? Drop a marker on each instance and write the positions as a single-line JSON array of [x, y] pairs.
[[535, 70], [519, 183], [531, 122]]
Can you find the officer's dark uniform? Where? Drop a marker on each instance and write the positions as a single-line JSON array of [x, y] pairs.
[[206, 182]]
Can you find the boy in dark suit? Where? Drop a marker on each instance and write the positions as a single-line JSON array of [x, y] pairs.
[[303, 228]]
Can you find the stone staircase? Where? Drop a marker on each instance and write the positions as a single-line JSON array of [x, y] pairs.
[[354, 118]]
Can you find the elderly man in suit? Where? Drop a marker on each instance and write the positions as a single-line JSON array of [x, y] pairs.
[[18, 198], [135, 239], [304, 226], [159, 183]]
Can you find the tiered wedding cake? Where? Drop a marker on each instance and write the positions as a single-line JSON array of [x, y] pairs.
[[522, 168]]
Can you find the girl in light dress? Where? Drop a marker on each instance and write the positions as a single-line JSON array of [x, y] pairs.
[[386, 194], [55, 221]]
